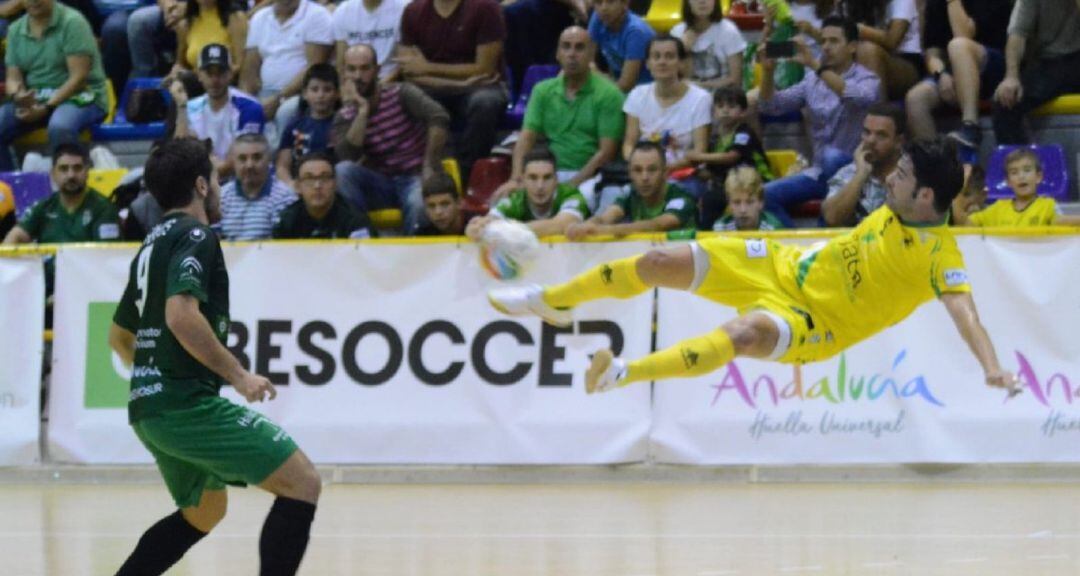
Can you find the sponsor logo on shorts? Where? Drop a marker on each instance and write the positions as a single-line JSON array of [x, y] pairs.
[[756, 249], [956, 277]]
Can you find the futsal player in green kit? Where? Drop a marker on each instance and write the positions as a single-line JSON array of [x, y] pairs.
[[171, 325]]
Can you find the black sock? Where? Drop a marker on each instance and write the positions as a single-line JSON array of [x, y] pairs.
[[285, 537], [161, 546]]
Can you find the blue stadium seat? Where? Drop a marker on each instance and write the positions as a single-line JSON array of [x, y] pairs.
[[120, 128], [1055, 182]]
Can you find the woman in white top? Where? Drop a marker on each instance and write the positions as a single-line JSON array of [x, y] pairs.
[[716, 45], [670, 110], [889, 42]]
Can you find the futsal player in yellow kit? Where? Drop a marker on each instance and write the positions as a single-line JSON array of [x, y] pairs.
[[795, 304]]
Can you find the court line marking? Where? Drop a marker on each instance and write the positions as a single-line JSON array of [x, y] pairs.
[[965, 560], [889, 564], [1049, 557], [718, 573], [802, 569]]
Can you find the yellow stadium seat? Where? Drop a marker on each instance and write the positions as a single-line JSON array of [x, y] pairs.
[[387, 219], [781, 161], [40, 137], [1067, 105], [105, 181], [663, 15], [450, 166]]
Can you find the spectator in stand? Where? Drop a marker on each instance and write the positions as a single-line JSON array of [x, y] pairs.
[[312, 131], [222, 114], [209, 22], [734, 144], [858, 189], [74, 213], [836, 93], [283, 41], [746, 195], [1023, 174], [579, 113], [670, 111], [808, 16], [376, 23], [965, 43], [1049, 32], [442, 205], [623, 38], [648, 204], [545, 206], [889, 42], [252, 203], [320, 212], [453, 50], [716, 45], [389, 137], [150, 38], [53, 77]]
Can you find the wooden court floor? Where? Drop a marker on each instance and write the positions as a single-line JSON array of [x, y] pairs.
[[591, 530]]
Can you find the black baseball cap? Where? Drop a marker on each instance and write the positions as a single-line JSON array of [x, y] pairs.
[[214, 55]]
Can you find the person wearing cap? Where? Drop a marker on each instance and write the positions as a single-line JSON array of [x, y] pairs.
[[53, 77], [223, 113]]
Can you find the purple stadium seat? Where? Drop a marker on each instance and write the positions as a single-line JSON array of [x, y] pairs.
[[1055, 182], [28, 188], [533, 75]]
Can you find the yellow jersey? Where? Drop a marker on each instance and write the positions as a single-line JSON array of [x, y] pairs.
[[207, 29], [875, 275], [1042, 212]]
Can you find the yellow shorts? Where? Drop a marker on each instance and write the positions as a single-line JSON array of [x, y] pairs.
[[743, 274]]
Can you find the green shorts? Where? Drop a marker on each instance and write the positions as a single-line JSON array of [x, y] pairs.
[[211, 444]]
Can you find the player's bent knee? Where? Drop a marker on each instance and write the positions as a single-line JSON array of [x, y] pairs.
[[670, 268], [297, 479], [210, 512], [753, 335]]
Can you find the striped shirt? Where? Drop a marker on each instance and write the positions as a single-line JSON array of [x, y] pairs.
[[244, 218]]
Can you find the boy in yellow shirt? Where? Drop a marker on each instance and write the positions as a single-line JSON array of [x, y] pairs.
[[1023, 174], [796, 304]]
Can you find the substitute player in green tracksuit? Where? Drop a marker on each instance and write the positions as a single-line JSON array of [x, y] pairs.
[[547, 207], [171, 325]]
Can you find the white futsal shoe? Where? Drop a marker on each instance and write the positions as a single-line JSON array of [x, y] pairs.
[[528, 301], [605, 372]]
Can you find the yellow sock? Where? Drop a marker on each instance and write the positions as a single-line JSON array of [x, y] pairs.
[[692, 357], [616, 279]]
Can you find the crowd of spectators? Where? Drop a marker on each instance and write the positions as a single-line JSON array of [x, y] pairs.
[[318, 114]]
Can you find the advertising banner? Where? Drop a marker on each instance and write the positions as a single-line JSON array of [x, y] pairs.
[[22, 300]]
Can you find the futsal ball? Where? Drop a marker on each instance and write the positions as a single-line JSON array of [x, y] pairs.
[[507, 249]]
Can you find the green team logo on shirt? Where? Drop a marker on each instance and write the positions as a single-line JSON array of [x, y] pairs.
[[107, 379]]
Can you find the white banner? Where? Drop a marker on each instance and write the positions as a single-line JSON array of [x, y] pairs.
[[382, 354], [913, 393], [22, 301]]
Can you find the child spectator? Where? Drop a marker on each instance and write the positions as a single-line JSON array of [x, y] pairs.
[[746, 192], [1023, 174], [734, 143], [311, 131], [442, 207]]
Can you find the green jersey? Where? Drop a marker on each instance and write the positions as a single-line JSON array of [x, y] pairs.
[[567, 199], [95, 219], [676, 202], [766, 222], [179, 256]]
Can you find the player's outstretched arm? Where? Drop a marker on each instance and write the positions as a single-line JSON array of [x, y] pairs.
[[194, 333], [961, 307], [123, 342]]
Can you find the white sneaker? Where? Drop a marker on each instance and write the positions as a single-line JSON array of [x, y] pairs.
[[528, 301], [604, 373]]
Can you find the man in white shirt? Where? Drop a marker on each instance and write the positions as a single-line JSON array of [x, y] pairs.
[[376, 23], [283, 40]]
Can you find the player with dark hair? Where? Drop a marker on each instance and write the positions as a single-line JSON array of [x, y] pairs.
[[171, 325], [796, 305]]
